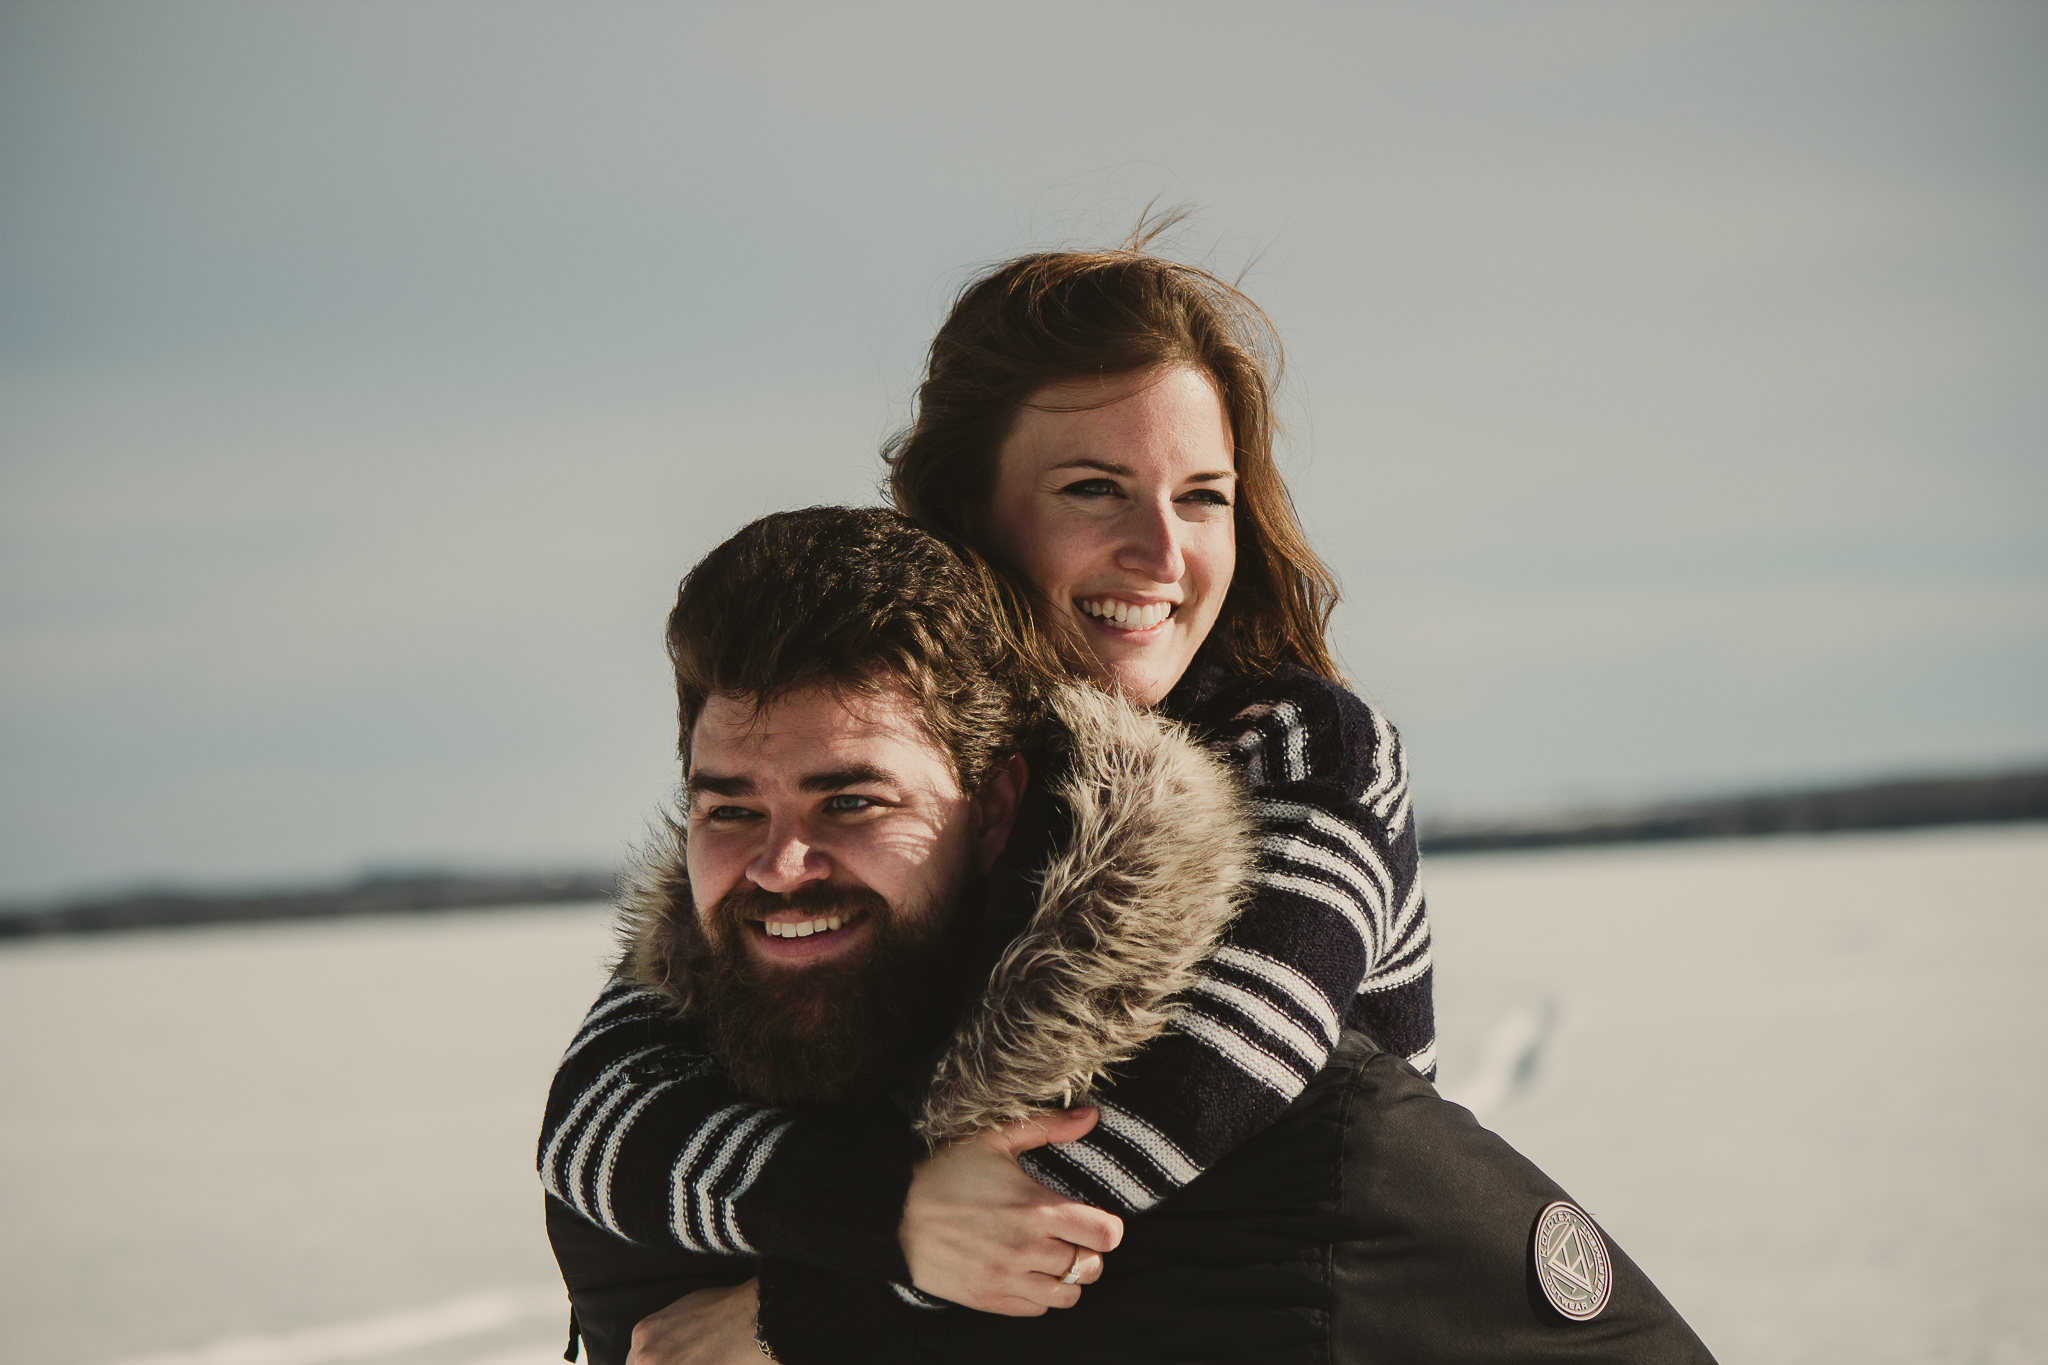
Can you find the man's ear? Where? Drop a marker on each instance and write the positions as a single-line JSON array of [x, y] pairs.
[[995, 811]]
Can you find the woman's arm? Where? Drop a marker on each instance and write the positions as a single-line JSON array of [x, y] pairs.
[[1335, 931], [647, 1137]]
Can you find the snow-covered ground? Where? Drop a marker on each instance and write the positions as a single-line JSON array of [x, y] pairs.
[[1803, 1081], [1800, 1080]]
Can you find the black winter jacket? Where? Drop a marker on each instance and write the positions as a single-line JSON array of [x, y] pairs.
[[1374, 1222]]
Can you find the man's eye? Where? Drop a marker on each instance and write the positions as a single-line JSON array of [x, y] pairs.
[[1093, 488], [847, 804], [727, 813]]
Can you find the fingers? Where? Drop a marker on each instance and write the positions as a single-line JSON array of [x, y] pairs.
[[1077, 1266], [1062, 1288], [1084, 1225], [1038, 1299], [1058, 1126], [979, 1231], [1026, 1283], [1058, 1260], [1087, 1270]]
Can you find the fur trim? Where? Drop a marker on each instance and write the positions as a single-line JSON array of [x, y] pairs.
[[1137, 897], [657, 918]]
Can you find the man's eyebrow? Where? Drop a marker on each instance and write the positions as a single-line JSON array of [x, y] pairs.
[[1125, 471], [717, 784], [858, 775]]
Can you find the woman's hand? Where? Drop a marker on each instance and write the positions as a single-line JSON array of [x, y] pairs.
[[980, 1232], [709, 1327]]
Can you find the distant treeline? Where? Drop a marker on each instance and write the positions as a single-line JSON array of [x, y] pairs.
[[1881, 805], [373, 895]]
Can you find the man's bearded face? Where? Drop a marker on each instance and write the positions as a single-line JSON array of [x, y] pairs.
[[843, 1028], [830, 853]]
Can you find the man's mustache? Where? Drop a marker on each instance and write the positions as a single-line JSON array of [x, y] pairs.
[[751, 904], [826, 1033]]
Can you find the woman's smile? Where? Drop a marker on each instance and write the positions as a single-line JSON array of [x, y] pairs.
[[1122, 618]]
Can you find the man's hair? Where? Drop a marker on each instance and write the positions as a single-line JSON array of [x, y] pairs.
[[857, 601], [1056, 316]]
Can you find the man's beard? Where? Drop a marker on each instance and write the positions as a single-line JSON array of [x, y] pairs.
[[834, 1032]]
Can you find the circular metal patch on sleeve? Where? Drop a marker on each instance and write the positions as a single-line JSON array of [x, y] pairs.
[[1571, 1262]]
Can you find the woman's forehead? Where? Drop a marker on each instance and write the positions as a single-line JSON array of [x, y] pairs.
[[1128, 424]]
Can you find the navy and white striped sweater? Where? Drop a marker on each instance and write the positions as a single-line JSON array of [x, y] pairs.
[[645, 1136], [1335, 933]]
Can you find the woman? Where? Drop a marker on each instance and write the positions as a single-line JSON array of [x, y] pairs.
[[1100, 425]]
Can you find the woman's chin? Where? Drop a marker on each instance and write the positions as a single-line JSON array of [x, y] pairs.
[[1143, 665], [1144, 680]]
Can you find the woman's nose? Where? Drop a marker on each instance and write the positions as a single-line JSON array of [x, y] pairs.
[[786, 862], [1153, 548]]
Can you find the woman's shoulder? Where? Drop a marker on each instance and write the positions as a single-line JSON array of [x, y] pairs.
[[1292, 726]]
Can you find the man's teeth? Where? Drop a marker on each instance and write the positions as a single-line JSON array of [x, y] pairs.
[[802, 928], [1124, 614]]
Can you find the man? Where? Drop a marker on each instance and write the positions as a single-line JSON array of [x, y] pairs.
[[879, 902]]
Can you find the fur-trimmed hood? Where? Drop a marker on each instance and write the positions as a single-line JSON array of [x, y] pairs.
[[1141, 883]]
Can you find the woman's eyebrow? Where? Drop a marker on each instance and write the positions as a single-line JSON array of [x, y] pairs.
[[1125, 471], [858, 775], [1090, 462]]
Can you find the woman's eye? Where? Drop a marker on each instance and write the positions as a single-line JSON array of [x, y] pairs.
[[1209, 497], [1092, 488], [846, 804]]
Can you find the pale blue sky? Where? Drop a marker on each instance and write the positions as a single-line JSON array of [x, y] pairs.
[[1668, 384]]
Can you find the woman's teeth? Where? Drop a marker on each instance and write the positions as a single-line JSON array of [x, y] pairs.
[[802, 928], [1124, 614]]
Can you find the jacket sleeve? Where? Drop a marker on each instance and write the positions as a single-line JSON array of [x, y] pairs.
[[1334, 932], [646, 1137], [813, 1316]]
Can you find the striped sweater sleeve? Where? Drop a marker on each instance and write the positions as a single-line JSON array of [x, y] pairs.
[[646, 1136], [1334, 933]]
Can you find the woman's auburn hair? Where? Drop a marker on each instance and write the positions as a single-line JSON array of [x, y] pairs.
[[1055, 316]]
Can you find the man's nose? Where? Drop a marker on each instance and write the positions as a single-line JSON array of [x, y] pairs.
[[787, 861], [1153, 547]]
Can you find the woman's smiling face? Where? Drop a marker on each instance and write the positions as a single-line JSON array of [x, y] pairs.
[[1114, 497]]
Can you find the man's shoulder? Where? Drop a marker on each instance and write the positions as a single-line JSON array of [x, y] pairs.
[[1432, 1224], [1373, 1220], [1470, 1213]]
